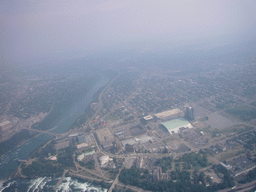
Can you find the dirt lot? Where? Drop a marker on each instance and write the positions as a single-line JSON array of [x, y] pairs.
[[105, 134], [218, 121]]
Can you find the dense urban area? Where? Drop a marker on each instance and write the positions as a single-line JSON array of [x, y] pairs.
[[151, 128]]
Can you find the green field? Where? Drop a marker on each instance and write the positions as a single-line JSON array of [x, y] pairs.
[[244, 112]]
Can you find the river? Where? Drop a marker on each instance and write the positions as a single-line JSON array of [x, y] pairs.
[[46, 184], [8, 161]]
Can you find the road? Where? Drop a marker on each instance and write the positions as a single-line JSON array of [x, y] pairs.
[[60, 180], [116, 180], [241, 188], [100, 101]]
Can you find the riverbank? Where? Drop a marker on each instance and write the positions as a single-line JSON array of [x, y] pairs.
[[71, 114]]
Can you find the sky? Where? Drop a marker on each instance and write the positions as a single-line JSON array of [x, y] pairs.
[[34, 29]]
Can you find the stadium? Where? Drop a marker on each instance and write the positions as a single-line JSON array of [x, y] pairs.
[[174, 125]]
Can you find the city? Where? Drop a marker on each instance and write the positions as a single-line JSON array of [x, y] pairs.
[[163, 123]]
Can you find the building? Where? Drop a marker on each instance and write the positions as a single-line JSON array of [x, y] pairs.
[[225, 166], [221, 147], [175, 125], [157, 174], [129, 148], [139, 162], [5, 125], [83, 155], [118, 145], [174, 113], [148, 118], [81, 138], [107, 144], [189, 113], [104, 159]]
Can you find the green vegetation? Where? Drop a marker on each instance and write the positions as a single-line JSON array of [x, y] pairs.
[[186, 165], [213, 131], [111, 116], [65, 156], [177, 166], [227, 181], [88, 165], [79, 122], [244, 112], [250, 144], [48, 121], [203, 118], [165, 163], [251, 176], [239, 128], [14, 141], [128, 118], [189, 160], [42, 168], [197, 161], [133, 176], [184, 181], [44, 151]]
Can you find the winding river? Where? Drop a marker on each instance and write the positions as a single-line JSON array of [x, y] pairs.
[[9, 163]]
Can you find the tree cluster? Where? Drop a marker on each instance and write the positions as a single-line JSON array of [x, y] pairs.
[[42, 169], [179, 181], [251, 176], [194, 159], [165, 163]]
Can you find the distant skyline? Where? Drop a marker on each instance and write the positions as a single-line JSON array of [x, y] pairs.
[[33, 29]]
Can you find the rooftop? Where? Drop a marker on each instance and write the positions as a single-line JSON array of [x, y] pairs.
[[168, 113], [175, 124]]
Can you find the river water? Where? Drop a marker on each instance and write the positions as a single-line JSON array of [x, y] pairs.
[[46, 184], [8, 161]]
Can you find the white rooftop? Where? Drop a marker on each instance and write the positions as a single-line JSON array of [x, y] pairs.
[[168, 113]]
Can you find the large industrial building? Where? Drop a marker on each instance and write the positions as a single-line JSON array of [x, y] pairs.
[[174, 125]]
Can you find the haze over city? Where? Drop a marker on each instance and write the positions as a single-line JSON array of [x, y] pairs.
[[41, 29], [128, 96]]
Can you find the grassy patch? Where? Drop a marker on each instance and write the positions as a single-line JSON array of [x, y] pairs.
[[227, 155], [239, 128], [244, 112], [202, 119], [111, 116], [213, 131]]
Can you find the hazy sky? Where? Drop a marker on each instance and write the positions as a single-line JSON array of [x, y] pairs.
[[40, 28]]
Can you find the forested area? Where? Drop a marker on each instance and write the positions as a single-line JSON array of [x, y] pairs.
[[44, 151], [165, 163], [194, 159], [43, 168], [243, 112], [250, 176], [88, 165], [179, 181]]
